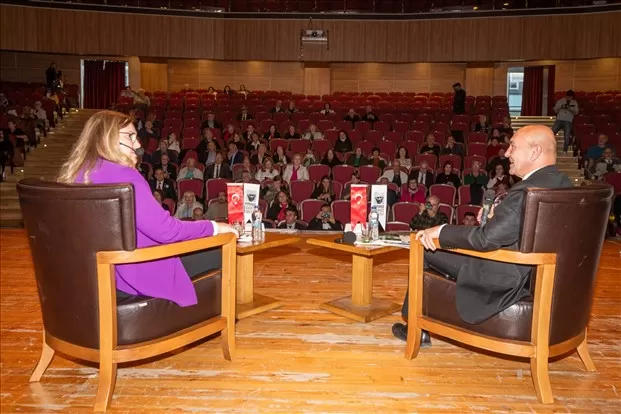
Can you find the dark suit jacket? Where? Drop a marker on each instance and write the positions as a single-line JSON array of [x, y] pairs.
[[172, 172], [225, 171], [485, 287], [216, 125], [238, 158], [429, 177], [317, 225], [168, 188], [459, 102], [298, 226]]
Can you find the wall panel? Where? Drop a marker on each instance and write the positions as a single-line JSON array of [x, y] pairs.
[[492, 39], [480, 81], [154, 76]]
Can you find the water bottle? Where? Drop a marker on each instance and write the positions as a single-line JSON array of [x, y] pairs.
[[374, 224], [257, 224]]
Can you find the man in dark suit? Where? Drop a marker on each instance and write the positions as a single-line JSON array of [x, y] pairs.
[[290, 223], [459, 101], [234, 156], [244, 115], [219, 169], [423, 175], [165, 185], [485, 288], [211, 122]]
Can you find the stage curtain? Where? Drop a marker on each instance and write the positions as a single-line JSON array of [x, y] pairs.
[[103, 82], [551, 79], [532, 93]]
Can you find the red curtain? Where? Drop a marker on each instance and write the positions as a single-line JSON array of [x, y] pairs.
[[532, 93], [551, 79], [103, 82]]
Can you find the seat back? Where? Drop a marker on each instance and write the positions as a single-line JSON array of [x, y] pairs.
[[67, 225], [570, 222]]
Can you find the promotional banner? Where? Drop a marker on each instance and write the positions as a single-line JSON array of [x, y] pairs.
[[358, 207], [235, 196], [251, 199], [380, 202]]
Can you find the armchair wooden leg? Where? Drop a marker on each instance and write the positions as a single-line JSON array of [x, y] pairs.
[[412, 345], [541, 379], [583, 352], [227, 340], [47, 354], [107, 381]]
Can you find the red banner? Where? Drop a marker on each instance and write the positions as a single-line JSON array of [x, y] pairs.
[[235, 195], [358, 204]]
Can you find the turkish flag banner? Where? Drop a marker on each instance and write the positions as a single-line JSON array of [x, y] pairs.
[[235, 195], [358, 204]]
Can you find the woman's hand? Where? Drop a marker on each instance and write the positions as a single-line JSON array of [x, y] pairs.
[[226, 228]]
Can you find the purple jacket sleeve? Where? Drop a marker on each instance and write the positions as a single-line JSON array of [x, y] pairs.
[[156, 223]]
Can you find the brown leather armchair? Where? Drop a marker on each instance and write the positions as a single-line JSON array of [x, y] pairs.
[[77, 235], [562, 235]]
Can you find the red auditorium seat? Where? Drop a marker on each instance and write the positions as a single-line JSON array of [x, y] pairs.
[[363, 127], [317, 171], [214, 186], [454, 159], [421, 126], [446, 193], [354, 135], [342, 211], [387, 147], [343, 125], [365, 146], [301, 190], [374, 136], [299, 145], [194, 185], [430, 158], [369, 173], [463, 194], [397, 226], [393, 136], [342, 173], [477, 149], [404, 212], [321, 146], [416, 136], [469, 159], [381, 126], [466, 208], [309, 209], [448, 210], [279, 142]]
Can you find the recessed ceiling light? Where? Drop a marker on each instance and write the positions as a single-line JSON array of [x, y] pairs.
[[475, 8], [506, 4]]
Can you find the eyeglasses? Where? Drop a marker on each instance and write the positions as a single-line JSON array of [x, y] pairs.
[[131, 135]]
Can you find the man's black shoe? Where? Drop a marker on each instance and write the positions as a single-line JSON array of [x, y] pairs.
[[400, 331]]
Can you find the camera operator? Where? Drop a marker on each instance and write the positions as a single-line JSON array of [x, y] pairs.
[[429, 216], [566, 108], [325, 220]]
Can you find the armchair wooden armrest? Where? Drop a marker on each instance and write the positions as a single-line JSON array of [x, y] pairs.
[[537, 349]]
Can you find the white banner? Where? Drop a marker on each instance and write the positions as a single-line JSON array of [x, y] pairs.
[[251, 199], [380, 202]]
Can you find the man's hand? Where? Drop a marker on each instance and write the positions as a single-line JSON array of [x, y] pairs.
[[226, 228], [331, 218], [426, 237], [489, 215]]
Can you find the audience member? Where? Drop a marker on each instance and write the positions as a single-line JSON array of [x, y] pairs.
[[309, 158], [247, 135], [278, 208], [375, 159], [313, 133], [327, 109], [51, 75], [607, 164], [190, 171], [369, 116], [163, 184], [355, 179], [452, 148], [291, 220], [469, 219], [270, 191], [170, 170], [448, 176], [357, 159], [291, 133], [218, 208], [219, 169], [324, 191], [280, 158], [291, 109], [208, 157], [242, 90], [244, 115], [343, 143], [482, 125], [173, 143], [476, 176], [459, 100], [493, 146], [197, 214], [244, 177], [260, 156], [211, 122], [267, 172], [565, 108], [414, 193], [271, 133], [424, 175], [295, 171], [156, 157], [352, 116], [501, 159], [595, 152], [430, 146], [146, 133], [325, 220], [227, 90], [207, 137], [254, 142], [228, 133], [395, 174], [277, 108], [330, 159], [506, 129], [499, 177], [404, 157], [429, 215], [159, 196], [246, 166], [234, 156], [7, 152], [391, 195]]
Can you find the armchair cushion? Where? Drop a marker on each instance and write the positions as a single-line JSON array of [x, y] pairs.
[[513, 323], [142, 318]]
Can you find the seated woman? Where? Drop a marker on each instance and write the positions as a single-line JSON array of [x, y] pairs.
[[187, 205], [343, 143], [291, 133], [267, 172], [280, 158], [330, 159], [313, 133], [107, 153], [242, 90], [448, 176], [271, 133], [159, 196], [403, 157], [357, 159], [190, 171], [500, 177], [323, 191], [278, 209], [309, 157], [414, 193], [327, 109], [295, 171]]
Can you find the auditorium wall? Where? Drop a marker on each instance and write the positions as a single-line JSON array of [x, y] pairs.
[[317, 78], [484, 39]]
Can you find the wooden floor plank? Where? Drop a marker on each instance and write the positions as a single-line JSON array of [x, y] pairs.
[[300, 359]]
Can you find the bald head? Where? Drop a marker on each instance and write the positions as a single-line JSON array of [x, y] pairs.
[[532, 147]]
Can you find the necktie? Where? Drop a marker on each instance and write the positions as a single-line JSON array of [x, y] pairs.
[[159, 185], [217, 172], [421, 177]]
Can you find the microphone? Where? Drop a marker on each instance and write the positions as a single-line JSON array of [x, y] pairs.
[[349, 237], [138, 151], [488, 201]]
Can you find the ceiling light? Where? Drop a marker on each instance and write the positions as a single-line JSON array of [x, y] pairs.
[[505, 4], [475, 8]]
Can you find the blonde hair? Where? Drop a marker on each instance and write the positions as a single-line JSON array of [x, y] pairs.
[[99, 140]]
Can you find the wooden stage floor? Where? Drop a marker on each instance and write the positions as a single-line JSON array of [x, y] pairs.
[[300, 359]]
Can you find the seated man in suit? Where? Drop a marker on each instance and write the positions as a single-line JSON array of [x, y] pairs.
[[234, 156], [291, 217], [165, 185], [218, 169], [485, 288], [325, 220]]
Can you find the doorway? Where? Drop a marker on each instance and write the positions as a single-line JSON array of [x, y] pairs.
[[101, 82]]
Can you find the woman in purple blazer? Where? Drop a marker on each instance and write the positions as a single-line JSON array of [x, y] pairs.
[[107, 153]]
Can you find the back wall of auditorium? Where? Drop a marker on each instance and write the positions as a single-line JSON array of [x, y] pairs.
[[169, 52]]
